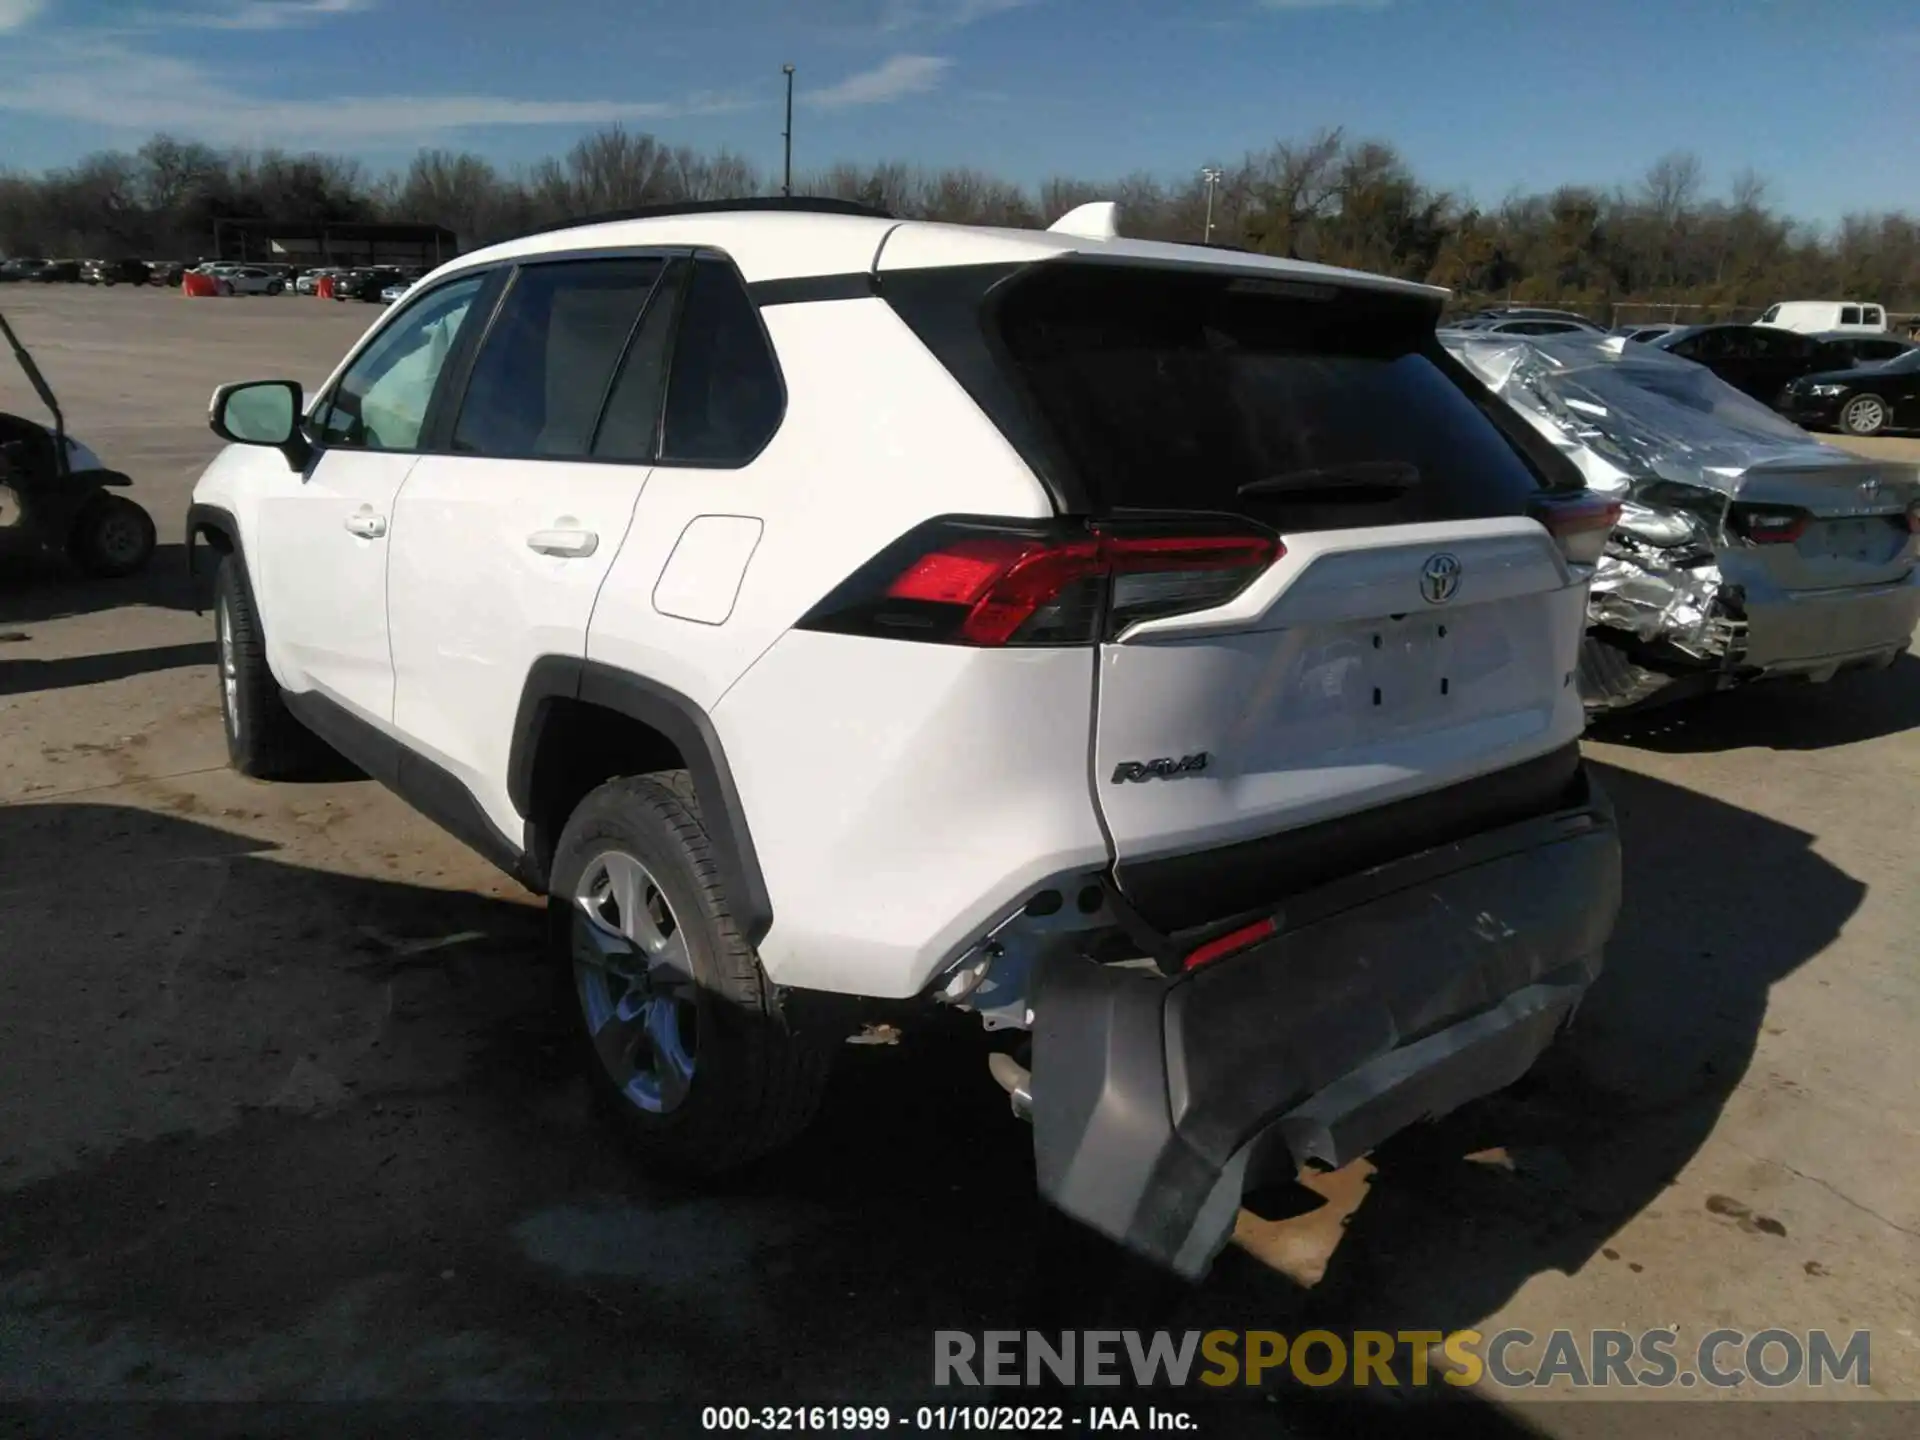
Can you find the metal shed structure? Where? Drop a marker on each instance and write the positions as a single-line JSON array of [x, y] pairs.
[[333, 242]]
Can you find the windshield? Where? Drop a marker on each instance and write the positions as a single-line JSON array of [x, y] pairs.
[[1903, 363]]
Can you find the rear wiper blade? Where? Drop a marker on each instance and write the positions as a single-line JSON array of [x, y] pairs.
[[1350, 481]]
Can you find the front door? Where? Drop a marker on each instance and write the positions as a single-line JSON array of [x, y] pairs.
[[320, 557]]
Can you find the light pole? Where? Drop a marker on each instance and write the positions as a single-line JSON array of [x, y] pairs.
[[1212, 177], [786, 185]]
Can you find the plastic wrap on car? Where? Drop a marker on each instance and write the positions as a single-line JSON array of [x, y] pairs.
[[1647, 426], [1631, 415], [1637, 590]]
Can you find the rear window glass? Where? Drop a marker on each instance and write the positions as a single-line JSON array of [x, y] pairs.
[[1308, 407]]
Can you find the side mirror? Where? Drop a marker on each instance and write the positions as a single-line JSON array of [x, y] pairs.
[[262, 412]]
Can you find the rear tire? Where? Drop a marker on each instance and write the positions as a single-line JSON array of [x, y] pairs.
[[1611, 681], [264, 741], [1864, 415], [111, 537], [682, 1039], [275, 288]]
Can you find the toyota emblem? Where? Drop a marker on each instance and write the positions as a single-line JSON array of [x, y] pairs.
[[1440, 578]]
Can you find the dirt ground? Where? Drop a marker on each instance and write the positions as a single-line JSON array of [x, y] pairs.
[[285, 1111]]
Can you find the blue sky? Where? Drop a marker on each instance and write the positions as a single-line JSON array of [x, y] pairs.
[[1484, 96]]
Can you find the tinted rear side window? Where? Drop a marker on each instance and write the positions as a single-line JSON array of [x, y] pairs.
[[724, 394], [1304, 407]]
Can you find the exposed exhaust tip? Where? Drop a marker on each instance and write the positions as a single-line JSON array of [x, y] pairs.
[[1014, 1078]]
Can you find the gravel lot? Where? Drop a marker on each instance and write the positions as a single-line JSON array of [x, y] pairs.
[[283, 1112]]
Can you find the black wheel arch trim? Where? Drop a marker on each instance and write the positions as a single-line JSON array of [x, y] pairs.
[[203, 520], [564, 678]]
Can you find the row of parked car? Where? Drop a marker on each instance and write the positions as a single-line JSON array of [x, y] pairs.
[[381, 284], [1854, 379], [378, 284]]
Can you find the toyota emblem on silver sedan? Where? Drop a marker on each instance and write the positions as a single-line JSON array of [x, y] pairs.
[[1440, 578]]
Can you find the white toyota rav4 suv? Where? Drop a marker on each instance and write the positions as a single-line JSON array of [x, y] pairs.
[[1166, 653]]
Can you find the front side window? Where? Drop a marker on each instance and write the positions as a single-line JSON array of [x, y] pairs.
[[540, 378], [381, 402], [724, 394]]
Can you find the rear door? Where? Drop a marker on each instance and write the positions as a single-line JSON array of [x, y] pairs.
[[501, 539], [1416, 630], [1775, 357]]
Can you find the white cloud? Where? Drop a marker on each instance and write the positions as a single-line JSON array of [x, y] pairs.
[[103, 83], [16, 13], [272, 14], [889, 80], [898, 15]]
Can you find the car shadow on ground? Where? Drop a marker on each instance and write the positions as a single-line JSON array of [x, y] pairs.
[[1779, 715], [34, 589], [26, 677], [1720, 904], [302, 1133]]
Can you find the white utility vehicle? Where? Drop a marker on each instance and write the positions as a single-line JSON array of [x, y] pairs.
[[1814, 317], [1166, 653]]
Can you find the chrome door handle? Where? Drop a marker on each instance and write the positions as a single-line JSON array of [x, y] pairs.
[[367, 525], [570, 543]]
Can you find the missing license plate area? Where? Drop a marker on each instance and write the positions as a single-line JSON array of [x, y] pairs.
[[1410, 637], [1874, 539]]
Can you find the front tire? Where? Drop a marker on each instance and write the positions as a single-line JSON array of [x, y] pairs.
[[275, 288], [264, 741], [111, 537], [677, 1024], [1864, 415]]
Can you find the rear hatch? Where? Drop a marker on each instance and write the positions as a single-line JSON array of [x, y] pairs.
[[1409, 629]]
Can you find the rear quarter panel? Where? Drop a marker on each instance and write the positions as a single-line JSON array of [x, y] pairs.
[[876, 438]]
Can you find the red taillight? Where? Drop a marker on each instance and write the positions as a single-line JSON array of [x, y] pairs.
[[1002, 583], [1913, 517], [1231, 942], [1773, 527], [981, 583], [1581, 524]]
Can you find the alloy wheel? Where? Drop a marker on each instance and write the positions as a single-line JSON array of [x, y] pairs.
[[634, 977]]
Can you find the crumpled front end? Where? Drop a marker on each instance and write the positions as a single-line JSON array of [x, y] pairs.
[[1745, 547], [1646, 593]]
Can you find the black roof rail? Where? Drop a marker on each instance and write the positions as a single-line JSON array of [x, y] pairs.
[[799, 204]]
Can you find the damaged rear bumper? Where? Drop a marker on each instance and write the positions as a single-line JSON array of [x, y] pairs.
[[1387, 998], [1810, 631]]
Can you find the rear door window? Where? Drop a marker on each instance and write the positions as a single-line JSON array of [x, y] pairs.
[[544, 369], [1849, 314], [1306, 407]]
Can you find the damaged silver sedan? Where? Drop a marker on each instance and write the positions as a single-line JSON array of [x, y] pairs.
[[1745, 548]]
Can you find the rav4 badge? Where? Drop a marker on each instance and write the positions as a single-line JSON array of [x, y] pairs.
[[1165, 768]]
